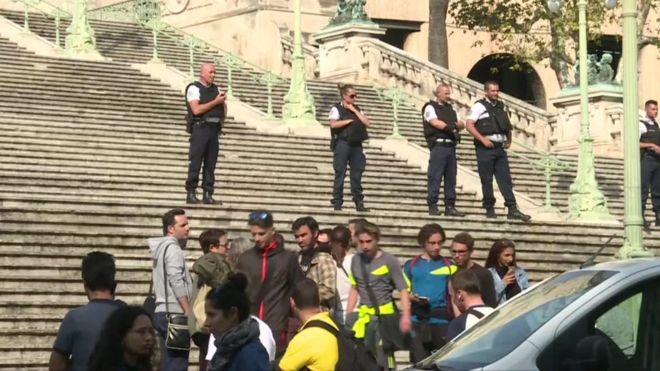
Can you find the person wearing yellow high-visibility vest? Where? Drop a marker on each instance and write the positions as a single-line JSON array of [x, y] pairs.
[[428, 277], [374, 275]]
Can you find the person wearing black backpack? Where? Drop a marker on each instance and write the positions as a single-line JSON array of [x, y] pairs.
[[491, 128], [320, 345], [348, 128], [466, 297]]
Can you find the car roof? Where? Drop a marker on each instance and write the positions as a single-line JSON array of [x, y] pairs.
[[627, 265]]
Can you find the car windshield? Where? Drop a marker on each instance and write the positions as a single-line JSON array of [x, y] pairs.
[[506, 328]]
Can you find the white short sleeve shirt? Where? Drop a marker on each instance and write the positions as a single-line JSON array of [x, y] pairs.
[[479, 111], [334, 114], [192, 93]]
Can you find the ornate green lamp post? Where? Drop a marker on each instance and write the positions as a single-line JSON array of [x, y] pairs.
[[80, 38], [587, 202], [633, 244], [298, 107]]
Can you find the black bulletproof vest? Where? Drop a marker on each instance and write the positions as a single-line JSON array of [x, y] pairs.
[[652, 134], [445, 113], [355, 132], [497, 121], [207, 94]]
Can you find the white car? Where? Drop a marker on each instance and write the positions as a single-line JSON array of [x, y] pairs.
[[604, 317]]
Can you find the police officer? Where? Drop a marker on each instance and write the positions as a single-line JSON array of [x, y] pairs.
[[441, 127], [491, 128], [206, 111], [348, 127], [649, 144]]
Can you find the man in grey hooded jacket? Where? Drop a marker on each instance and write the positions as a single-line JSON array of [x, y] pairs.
[[168, 251]]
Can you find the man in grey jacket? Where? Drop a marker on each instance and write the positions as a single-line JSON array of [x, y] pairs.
[[168, 251]]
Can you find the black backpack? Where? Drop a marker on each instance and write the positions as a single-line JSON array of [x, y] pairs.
[[353, 355]]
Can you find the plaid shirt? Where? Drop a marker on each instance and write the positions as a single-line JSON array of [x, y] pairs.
[[323, 271]]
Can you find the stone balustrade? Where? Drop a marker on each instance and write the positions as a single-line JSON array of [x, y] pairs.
[[391, 66], [310, 52]]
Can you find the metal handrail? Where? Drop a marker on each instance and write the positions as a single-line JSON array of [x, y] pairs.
[[56, 13]]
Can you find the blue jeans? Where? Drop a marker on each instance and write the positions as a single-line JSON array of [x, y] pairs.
[[170, 360]]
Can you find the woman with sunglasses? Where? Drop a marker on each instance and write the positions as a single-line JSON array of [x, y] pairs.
[[509, 278], [348, 126]]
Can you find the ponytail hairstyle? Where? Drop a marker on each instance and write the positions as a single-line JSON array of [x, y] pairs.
[[232, 294], [344, 88]]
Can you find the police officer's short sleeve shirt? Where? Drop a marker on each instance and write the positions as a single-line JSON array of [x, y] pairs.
[[429, 113], [334, 114], [478, 111], [192, 93]]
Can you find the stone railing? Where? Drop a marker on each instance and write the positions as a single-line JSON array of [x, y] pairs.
[[391, 66], [310, 52]]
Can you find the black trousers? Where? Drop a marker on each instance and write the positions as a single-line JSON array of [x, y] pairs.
[[348, 155], [651, 179], [204, 146], [426, 338], [494, 161], [442, 165]]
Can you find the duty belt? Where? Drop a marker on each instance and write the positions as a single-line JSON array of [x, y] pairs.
[[210, 120]]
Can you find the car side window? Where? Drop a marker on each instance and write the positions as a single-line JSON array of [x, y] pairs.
[[621, 324], [614, 336]]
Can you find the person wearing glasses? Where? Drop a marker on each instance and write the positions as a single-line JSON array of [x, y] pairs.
[[272, 273], [348, 127], [210, 271], [427, 276], [462, 247]]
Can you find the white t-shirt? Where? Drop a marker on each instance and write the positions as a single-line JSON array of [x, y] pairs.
[[471, 319], [193, 93], [265, 337], [479, 111], [334, 114], [343, 284], [429, 113]]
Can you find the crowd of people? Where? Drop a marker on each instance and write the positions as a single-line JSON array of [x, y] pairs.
[[267, 307]]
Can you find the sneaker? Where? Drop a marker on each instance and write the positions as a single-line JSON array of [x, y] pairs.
[[516, 214], [490, 213], [451, 211]]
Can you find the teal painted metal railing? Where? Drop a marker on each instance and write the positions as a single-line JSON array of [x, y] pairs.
[[54, 12]]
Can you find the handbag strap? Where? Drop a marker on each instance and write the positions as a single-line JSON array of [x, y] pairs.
[[370, 290], [165, 282]]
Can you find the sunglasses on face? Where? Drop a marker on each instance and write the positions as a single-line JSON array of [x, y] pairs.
[[259, 215], [353, 96]]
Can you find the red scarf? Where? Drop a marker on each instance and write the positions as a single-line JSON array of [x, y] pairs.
[[264, 273]]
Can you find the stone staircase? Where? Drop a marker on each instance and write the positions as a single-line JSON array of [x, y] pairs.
[[95, 152], [131, 43]]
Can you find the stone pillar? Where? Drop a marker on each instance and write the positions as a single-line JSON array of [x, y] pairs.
[[605, 120], [340, 57]]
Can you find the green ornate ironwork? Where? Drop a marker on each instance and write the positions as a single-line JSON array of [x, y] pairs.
[[231, 62], [57, 15], [149, 13], [548, 164], [398, 98], [80, 36], [192, 43], [269, 79]]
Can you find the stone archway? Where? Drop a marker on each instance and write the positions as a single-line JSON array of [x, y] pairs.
[[516, 79]]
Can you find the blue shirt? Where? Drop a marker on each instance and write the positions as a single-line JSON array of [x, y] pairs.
[[430, 279], [81, 328]]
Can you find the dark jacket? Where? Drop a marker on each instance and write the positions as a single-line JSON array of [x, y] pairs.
[[212, 269], [282, 274], [252, 356]]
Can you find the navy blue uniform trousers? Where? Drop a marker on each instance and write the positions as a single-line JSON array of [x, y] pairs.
[[494, 162], [442, 165], [346, 155], [204, 147]]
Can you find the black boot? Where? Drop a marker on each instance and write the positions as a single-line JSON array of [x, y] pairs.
[[208, 199], [191, 198], [433, 210], [516, 214], [451, 211], [359, 206], [490, 213]]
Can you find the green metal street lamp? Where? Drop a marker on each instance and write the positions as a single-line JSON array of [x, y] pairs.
[[80, 38], [587, 202], [633, 243], [298, 107]]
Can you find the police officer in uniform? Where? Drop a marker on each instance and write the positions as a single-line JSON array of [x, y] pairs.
[[489, 124], [206, 112], [441, 127], [348, 127], [649, 144]]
